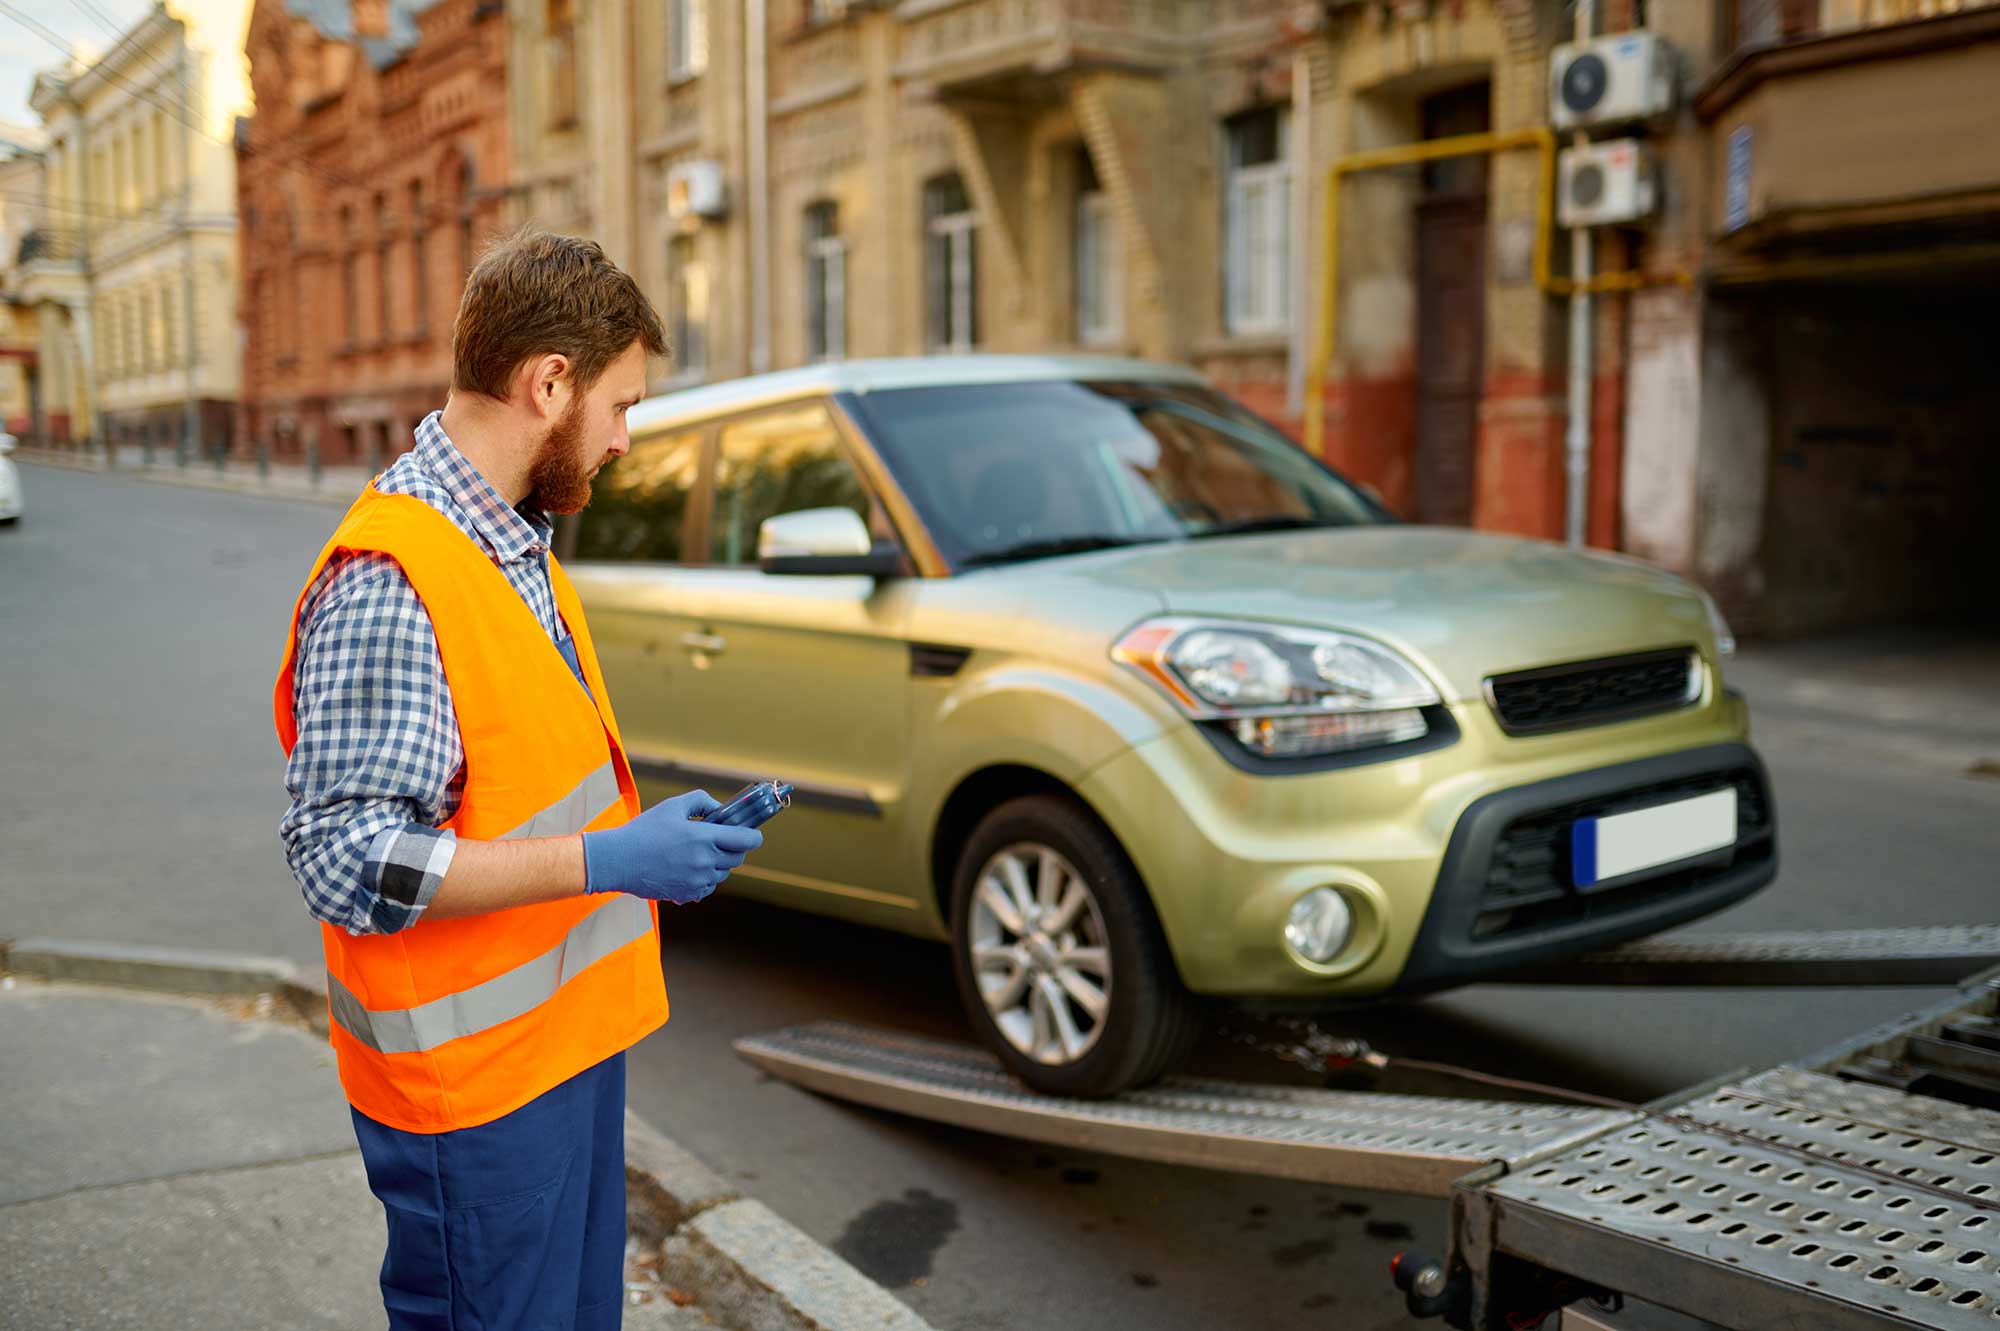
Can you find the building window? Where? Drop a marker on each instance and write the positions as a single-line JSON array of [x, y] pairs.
[[826, 284], [149, 333], [1257, 224], [1100, 262], [163, 176], [170, 346], [382, 274], [466, 218], [951, 266], [687, 307], [350, 283], [687, 38], [562, 63], [420, 269]]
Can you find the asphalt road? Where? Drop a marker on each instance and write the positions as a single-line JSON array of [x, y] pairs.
[[140, 627]]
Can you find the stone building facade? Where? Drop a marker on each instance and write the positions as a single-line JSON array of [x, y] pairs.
[[1782, 395], [131, 272], [1132, 177], [375, 167], [22, 180]]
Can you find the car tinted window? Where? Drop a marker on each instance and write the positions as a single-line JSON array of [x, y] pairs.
[[779, 462], [639, 503], [995, 466]]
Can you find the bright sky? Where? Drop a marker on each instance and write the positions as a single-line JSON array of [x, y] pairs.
[[23, 50]]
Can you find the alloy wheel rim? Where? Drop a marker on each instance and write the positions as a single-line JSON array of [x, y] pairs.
[[1040, 953]]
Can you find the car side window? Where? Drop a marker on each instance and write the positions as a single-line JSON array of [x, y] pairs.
[[779, 462], [639, 503]]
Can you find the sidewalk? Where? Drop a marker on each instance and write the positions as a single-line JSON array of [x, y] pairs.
[[290, 480], [188, 1165], [1927, 696]]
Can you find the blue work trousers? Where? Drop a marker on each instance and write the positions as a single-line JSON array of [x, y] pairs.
[[514, 1225]]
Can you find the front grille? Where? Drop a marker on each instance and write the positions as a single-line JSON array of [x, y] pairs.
[[1529, 877], [1588, 693]]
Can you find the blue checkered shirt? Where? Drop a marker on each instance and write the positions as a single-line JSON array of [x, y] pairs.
[[379, 766]]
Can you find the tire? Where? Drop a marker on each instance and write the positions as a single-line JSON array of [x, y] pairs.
[[1148, 1020]]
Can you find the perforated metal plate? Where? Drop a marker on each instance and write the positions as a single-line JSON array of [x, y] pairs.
[[1398, 1143], [1786, 1190], [1928, 955]]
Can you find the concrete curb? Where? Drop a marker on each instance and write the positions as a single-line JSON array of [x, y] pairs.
[[746, 1265], [196, 476]]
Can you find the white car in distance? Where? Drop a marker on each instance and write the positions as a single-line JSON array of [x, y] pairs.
[[10, 482]]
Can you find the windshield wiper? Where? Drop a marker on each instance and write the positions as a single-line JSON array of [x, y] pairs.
[[1047, 547], [1270, 522]]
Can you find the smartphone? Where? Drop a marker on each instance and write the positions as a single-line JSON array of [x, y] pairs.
[[752, 806]]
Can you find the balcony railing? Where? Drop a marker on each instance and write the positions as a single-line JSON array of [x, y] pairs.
[[55, 244], [1774, 22]]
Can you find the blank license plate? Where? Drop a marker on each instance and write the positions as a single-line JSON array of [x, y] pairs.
[[1626, 843]]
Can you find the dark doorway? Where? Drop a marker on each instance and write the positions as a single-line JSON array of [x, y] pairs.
[[1451, 309]]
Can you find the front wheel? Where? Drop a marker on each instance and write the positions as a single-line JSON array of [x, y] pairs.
[[1059, 958]]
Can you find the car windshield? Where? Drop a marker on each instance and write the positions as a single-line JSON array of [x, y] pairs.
[[1003, 472]]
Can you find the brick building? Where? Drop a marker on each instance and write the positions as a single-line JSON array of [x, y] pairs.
[[374, 167]]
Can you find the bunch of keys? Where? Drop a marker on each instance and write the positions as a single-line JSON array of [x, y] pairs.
[[752, 806]]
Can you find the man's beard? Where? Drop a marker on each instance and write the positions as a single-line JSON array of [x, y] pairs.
[[558, 480]]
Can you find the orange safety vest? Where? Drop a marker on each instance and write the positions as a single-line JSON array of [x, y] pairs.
[[452, 1023]]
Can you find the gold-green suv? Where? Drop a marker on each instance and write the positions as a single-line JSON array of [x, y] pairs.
[[1082, 667]]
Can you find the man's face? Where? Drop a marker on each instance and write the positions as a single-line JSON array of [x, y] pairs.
[[589, 433]]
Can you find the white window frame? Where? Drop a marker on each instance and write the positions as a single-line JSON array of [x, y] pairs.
[[959, 232], [1257, 278], [1100, 271], [826, 272], [687, 38], [687, 300]]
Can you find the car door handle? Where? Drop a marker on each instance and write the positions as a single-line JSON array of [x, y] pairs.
[[704, 642]]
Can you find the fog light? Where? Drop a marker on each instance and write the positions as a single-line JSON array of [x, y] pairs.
[[1319, 925]]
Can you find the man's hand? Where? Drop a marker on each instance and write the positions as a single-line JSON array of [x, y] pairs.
[[664, 855]]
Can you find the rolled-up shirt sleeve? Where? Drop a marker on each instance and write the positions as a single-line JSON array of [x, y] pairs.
[[378, 764]]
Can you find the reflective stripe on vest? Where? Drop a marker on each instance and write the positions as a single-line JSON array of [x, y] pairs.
[[576, 810], [502, 998]]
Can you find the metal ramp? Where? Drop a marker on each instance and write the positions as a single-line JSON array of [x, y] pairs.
[[1396, 1143], [1856, 1189], [1927, 955], [1859, 1188]]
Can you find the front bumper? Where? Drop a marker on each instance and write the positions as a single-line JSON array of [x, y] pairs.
[[1411, 841], [1503, 898]]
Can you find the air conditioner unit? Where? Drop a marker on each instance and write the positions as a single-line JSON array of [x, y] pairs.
[[695, 189], [1606, 183], [1610, 81]]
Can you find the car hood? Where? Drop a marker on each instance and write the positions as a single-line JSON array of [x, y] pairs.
[[1464, 605]]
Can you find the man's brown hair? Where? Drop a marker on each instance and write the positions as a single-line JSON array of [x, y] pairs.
[[535, 293]]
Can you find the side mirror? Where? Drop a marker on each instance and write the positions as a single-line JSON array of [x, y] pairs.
[[823, 542]]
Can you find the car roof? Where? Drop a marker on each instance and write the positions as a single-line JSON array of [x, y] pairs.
[[689, 405]]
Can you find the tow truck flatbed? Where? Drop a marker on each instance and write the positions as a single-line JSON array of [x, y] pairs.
[[1858, 1188]]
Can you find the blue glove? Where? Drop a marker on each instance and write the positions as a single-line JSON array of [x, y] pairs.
[[664, 855]]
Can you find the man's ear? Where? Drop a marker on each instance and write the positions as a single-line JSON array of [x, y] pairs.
[[548, 384]]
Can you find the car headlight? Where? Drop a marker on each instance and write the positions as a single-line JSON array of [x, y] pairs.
[[1282, 692], [1725, 641]]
